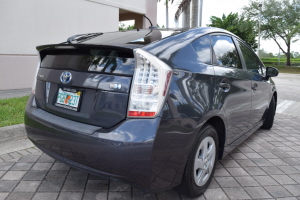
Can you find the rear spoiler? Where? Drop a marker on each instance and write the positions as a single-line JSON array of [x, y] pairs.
[[81, 37]]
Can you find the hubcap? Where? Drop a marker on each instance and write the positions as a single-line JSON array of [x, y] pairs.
[[204, 161]]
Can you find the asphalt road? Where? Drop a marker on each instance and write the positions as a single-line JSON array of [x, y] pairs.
[[288, 86], [288, 94]]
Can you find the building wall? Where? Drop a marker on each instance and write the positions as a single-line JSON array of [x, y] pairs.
[[137, 6], [27, 24], [140, 20], [17, 72], [151, 13]]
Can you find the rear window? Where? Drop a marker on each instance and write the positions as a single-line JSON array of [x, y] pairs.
[[90, 60]]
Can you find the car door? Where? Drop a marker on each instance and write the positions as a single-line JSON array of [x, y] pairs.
[[259, 86], [234, 86]]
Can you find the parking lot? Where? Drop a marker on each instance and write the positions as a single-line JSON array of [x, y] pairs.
[[265, 166]]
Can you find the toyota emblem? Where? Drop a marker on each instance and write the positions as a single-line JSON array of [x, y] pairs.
[[66, 77]]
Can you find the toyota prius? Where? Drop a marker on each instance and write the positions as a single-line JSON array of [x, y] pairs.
[[152, 107]]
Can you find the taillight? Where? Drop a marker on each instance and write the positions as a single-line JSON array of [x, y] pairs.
[[149, 85]]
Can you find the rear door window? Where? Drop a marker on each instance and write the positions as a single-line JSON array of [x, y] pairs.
[[225, 51], [203, 48]]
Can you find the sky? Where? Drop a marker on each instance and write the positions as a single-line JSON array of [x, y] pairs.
[[215, 8]]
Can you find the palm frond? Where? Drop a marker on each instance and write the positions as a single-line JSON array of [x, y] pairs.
[[182, 6]]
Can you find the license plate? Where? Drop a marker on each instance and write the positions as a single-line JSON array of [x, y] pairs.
[[68, 98]]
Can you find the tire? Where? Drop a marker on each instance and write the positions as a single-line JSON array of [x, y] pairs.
[[201, 163], [268, 122]]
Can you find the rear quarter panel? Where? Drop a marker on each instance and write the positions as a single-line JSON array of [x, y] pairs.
[[190, 103]]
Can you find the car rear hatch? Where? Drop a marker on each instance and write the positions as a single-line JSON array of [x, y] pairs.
[[85, 83]]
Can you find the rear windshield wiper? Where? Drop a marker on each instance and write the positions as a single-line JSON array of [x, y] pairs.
[[82, 37]]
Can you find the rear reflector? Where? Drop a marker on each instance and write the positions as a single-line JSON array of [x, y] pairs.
[[168, 78], [34, 80], [140, 114]]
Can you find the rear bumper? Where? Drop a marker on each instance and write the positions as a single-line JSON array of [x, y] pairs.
[[148, 153], [122, 153]]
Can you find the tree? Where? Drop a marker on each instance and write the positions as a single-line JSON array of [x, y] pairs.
[[279, 21], [158, 26], [244, 28], [184, 5], [270, 55], [122, 27], [264, 54], [167, 11], [295, 54]]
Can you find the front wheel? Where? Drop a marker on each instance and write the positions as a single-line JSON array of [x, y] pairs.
[[201, 163], [268, 122]]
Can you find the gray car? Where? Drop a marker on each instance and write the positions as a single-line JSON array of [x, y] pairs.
[[153, 107]]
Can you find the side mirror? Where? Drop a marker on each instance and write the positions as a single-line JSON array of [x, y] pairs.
[[272, 72]]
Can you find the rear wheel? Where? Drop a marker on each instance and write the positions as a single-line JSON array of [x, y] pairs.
[[201, 164], [268, 123]]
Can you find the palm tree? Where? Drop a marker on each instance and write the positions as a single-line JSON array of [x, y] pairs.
[[167, 11], [184, 6]]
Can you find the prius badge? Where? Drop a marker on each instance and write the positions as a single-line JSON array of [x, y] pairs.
[[66, 77]]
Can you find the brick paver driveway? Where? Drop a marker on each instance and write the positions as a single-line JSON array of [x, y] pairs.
[[265, 166]]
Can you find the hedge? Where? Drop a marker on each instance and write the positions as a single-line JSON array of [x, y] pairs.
[[274, 61]]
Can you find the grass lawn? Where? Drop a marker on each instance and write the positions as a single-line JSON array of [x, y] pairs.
[[12, 111], [285, 69]]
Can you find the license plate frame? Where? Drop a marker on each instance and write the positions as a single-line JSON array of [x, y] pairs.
[[68, 98]]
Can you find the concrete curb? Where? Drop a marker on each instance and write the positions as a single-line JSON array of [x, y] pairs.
[[12, 132], [6, 94]]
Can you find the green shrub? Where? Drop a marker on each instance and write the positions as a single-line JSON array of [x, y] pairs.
[[274, 61]]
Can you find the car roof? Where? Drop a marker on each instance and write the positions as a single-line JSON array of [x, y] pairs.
[[168, 46], [141, 37]]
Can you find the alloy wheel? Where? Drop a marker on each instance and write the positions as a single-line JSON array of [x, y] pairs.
[[204, 161]]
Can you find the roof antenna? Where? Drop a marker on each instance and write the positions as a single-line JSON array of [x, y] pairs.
[[150, 22]]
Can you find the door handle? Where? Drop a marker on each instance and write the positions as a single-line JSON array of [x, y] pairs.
[[224, 85], [254, 87]]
